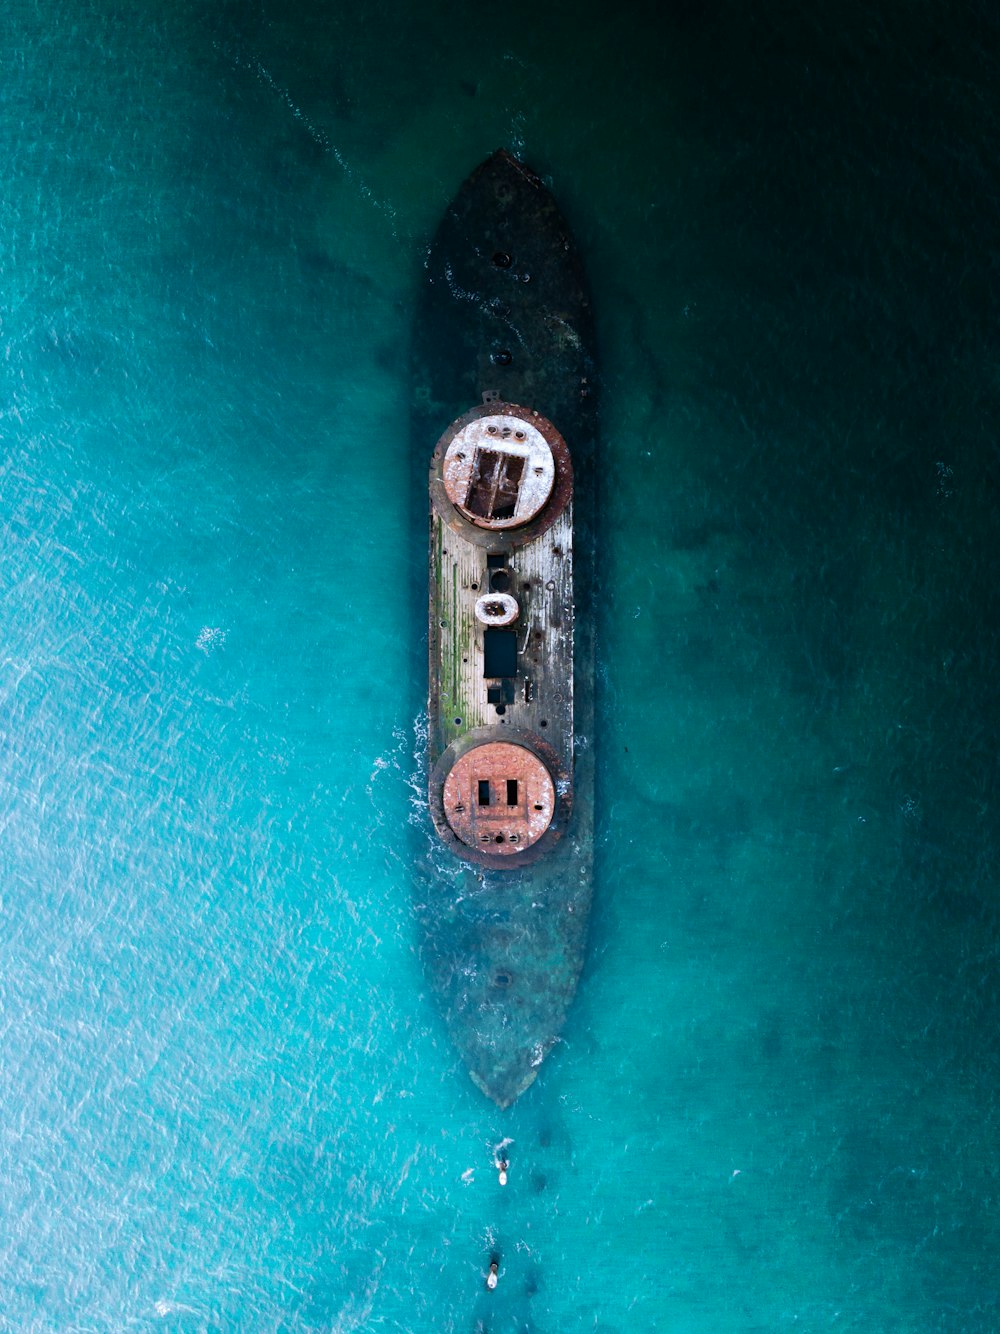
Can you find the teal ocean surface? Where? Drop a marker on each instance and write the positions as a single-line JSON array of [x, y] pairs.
[[227, 1101]]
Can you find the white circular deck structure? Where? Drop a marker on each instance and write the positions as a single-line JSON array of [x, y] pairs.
[[499, 471]]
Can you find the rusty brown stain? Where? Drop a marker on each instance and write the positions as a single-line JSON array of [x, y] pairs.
[[499, 797]]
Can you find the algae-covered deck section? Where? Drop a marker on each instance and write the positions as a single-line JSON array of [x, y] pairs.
[[539, 697]]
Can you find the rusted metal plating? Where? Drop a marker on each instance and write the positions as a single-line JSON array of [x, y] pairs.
[[499, 797]]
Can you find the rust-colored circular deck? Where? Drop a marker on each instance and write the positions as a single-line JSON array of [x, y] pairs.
[[499, 797]]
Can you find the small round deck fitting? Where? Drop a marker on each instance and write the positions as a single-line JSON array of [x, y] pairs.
[[497, 609]]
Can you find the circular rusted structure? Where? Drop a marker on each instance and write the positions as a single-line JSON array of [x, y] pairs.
[[514, 509], [490, 854], [499, 798]]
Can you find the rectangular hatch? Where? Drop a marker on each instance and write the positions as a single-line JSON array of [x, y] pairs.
[[499, 653], [494, 484]]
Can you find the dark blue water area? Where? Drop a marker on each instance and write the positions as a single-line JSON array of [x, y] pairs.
[[227, 1100]]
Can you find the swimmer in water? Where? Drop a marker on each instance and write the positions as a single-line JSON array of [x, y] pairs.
[[491, 1277], [500, 1160]]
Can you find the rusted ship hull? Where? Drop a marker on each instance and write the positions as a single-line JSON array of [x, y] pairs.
[[504, 382]]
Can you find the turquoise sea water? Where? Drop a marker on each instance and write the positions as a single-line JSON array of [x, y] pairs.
[[226, 1098]]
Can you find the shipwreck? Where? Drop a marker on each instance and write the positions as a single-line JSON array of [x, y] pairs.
[[504, 383]]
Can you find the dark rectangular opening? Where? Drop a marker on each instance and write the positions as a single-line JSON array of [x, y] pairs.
[[508, 485], [496, 561], [499, 653], [511, 791], [494, 484], [484, 791], [494, 695], [483, 482]]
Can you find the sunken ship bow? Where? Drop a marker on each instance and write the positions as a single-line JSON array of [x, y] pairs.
[[504, 381]]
